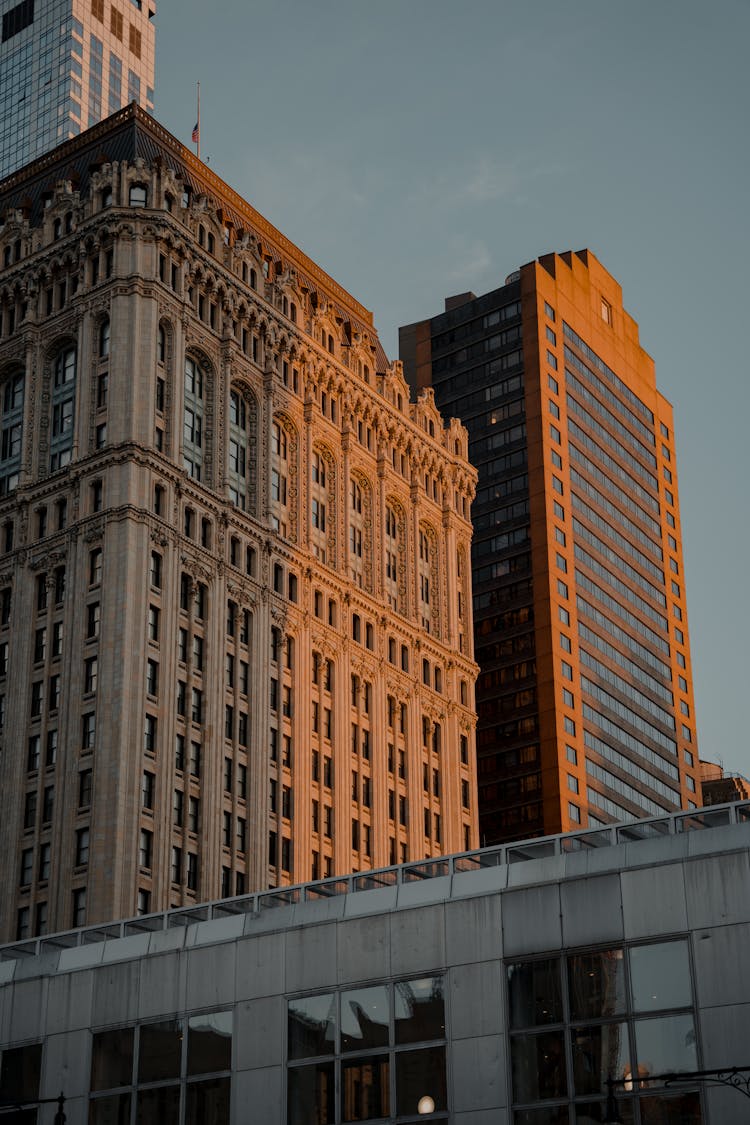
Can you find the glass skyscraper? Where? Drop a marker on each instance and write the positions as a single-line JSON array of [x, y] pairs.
[[67, 64], [584, 698]]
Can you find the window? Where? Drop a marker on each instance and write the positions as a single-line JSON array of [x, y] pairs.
[[177, 1054], [368, 1057], [11, 432], [579, 1019], [63, 404], [137, 196]]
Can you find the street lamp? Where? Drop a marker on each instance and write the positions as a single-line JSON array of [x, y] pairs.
[[14, 1107], [735, 1077]]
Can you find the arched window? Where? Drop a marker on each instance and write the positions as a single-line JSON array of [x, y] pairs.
[[394, 551], [63, 409], [322, 506], [427, 579], [11, 428], [104, 337], [161, 345], [192, 431], [241, 414]]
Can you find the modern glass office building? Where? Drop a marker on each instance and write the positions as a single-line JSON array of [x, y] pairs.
[[67, 64], [584, 700]]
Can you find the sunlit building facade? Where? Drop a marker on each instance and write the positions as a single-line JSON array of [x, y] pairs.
[[67, 64], [236, 634], [584, 699]]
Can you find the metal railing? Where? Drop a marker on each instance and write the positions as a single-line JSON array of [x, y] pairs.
[[714, 816]]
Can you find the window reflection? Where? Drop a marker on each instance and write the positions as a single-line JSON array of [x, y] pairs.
[[685, 1109], [365, 1018], [665, 1044], [420, 1074], [365, 1089], [159, 1051], [311, 1095], [598, 1053], [114, 1110], [209, 1043], [538, 1063], [207, 1103], [112, 1059], [596, 984], [660, 976], [554, 1115], [158, 1106], [419, 1010], [312, 1026], [534, 992]]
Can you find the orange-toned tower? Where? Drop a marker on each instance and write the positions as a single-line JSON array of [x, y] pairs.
[[584, 697]]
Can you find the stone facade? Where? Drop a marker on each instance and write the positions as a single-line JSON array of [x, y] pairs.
[[236, 638]]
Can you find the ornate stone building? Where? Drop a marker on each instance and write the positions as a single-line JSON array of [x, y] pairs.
[[236, 640]]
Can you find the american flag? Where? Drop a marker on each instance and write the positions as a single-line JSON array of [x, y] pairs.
[[196, 134]]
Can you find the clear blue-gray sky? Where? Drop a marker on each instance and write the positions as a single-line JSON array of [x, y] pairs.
[[417, 148]]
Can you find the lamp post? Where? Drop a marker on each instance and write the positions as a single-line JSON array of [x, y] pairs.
[[59, 1101], [734, 1077]]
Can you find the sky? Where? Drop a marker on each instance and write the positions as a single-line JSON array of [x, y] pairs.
[[418, 148]]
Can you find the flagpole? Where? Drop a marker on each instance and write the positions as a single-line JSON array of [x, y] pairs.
[[198, 142]]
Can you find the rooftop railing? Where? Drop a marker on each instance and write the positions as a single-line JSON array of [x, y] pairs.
[[714, 816]]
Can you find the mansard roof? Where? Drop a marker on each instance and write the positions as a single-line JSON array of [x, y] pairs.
[[130, 134]]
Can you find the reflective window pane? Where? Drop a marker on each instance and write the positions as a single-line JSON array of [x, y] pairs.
[[207, 1103], [113, 1110], [160, 1106], [209, 1043], [554, 1115], [311, 1095], [365, 1088], [312, 1026], [419, 1010], [665, 1044], [592, 1113], [112, 1059], [420, 1078], [534, 993], [685, 1109], [159, 1051], [19, 1073], [660, 976], [599, 1052], [364, 1018], [538, 1064], [596, 983]]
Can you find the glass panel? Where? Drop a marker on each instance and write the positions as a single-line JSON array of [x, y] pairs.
[[364, 1018], [420, 1081], [19, 1073], [685, 1109], [209, 1042], [598, 1053], [158, 1107], [310, 1095], [419, 1010], [208, 1102], [660, 976], [665, 1045], [159, 1051], [538, 1063], [597, 984], [112, 1059], [312, 1026], [554, 1115], [534, 991], [591, 1113], [365, 1089], [114, 1110]]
